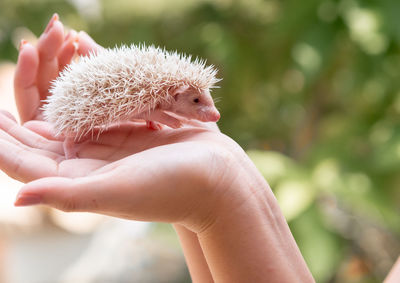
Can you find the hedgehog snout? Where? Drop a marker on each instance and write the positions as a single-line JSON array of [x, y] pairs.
[[209, 114], [215, 116]]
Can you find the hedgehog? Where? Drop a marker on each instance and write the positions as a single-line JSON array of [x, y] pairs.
[[127, 83]]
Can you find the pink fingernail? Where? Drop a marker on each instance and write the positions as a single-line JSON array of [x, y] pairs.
[[51, 23], [22, 43], [27, 199]]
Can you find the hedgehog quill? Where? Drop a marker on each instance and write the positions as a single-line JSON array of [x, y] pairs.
[[128, 83]]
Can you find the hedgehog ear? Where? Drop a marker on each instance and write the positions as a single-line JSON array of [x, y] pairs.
[[177, 90]]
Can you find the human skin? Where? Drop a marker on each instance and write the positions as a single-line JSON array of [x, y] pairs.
[[394, 274], [226, 216]]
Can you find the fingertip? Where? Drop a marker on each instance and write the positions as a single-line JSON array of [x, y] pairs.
[[56, 32], [53, 19], [22, 43], [29, 194], [58, 192], [26, 199], [38, 190], [26, 49], [86, 44], [68, 50], [51, 41], [71, 35]]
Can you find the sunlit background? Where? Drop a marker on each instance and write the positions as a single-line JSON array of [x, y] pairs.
[[311, 89]]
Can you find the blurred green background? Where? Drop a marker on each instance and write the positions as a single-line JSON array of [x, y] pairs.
[[310, 89]]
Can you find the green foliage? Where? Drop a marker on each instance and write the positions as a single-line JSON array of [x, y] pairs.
[[310, 88], [321, 248]]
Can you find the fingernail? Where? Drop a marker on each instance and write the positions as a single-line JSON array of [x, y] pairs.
[[27, 199], [51, 23], [76, 42], [22, 43]]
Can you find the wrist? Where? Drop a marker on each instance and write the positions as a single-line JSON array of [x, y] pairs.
[[219, 187], [229, 181], [247, 239]]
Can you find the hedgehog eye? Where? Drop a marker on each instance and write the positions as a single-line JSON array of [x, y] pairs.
[[196, 100]]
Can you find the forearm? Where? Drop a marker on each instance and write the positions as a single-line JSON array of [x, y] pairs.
[[195, 260], [250, 241], [394, 275]]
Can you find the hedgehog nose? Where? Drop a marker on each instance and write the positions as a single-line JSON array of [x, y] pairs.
[[214, 116]]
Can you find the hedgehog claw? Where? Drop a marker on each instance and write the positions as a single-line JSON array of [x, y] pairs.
[[153, 125]]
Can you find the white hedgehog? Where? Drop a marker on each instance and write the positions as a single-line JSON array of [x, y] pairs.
[[129, 83]]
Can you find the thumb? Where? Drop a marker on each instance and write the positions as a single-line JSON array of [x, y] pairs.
[[67, 194], [138, 193]]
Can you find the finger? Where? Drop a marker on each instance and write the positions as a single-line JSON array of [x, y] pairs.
[[86, 44], [66, 194], [8, 115], [96, 193], [136, 191], [28, 62], [48, 47], [6, 137], [43, 129], [51, 39], [28, 137], [26, 92], [67, 50], [24, 165]]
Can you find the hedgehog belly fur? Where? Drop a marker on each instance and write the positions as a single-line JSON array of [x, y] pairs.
[[115, 84]]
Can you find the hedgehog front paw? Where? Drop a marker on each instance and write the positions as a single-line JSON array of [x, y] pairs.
[[153, 125], [159, 118], [175, 124]]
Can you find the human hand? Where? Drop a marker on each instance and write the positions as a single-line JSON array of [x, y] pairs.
[[38, 65], [31, 152], [169, 174], [43, 154], [193, 176]]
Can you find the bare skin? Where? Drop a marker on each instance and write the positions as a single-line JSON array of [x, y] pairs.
[[394, 274], [228, 221], [228, 235]]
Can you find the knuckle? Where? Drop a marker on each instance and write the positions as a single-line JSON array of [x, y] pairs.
[[69, 206], [75, 203], [69, 203]]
